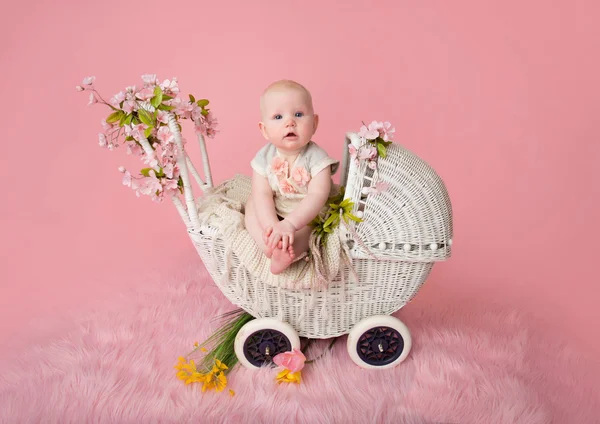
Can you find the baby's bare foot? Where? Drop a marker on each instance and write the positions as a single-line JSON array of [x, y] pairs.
[[268, 252], [280, 261], [290, 249]]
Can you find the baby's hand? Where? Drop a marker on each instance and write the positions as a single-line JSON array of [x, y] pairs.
[[282, 231]]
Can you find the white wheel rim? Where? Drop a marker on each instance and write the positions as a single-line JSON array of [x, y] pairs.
[[373, 322]]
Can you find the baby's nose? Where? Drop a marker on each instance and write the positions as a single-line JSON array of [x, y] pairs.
[[290, 123]]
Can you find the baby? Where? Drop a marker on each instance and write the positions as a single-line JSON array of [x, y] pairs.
[[291, 179]]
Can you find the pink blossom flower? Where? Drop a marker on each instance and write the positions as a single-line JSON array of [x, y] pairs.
[[127, 179], [293, 361], [196, 112], [352, 150], [149, 79], [88, 80], [150, 160], [134, 149], [286, 187], [379, 187], [384, 130], [135, 131], [145, 94], [168, 170], [130, 92], [368, 152], [368, 133], [129, 106], [170, 87], [102, 140], [184, 109], [117, 99], [279, 167], [93, 99], [301, 176], [162, 117], [165, 135], [79, 88], [106, 126], [122, 169]]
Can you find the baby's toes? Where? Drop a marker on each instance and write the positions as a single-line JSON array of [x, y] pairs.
[[291, 252]]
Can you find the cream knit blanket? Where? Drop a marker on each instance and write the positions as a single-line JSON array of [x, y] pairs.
[[222, 208]]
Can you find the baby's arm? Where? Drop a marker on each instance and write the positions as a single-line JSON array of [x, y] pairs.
[[264, 205], [318, 192]]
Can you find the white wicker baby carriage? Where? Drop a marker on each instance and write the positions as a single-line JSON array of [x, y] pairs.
[[407, 228]]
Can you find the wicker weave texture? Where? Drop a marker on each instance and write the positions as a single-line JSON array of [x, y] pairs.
[[412, 219], [383, 288]]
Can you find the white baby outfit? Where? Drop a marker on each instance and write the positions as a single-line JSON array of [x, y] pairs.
[[289, 182]]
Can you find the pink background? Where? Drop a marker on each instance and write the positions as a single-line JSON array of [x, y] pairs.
[[502, 98]]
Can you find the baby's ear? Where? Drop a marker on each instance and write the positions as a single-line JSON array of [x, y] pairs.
[[316, 124], [263, 130]]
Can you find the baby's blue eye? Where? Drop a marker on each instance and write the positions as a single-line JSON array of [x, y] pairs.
[[278, 117], [299, 114]]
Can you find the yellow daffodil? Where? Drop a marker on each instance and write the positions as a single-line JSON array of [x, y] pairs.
[[286, 376], [188, 372], [215, 381]]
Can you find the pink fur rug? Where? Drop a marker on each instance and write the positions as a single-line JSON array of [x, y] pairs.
[[468, 365]]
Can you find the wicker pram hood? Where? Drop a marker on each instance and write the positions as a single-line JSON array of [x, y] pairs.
[[412, 219]]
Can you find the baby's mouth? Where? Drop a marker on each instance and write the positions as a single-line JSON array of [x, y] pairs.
[[290, 134]]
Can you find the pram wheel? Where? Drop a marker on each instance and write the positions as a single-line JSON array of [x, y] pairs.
[[379, 341], [261, 339]]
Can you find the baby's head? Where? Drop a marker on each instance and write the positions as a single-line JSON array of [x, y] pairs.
[[287, 117]]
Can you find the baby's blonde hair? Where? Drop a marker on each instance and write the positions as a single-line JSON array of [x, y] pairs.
[[285, 84]]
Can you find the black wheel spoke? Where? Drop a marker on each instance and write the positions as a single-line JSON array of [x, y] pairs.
[[380, 346], [261, 346]]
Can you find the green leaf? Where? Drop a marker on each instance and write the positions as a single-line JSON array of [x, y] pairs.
[[204, 112], [381, 150], [203, 102], [146, 172], [129, 119], [114, 117], [192, 99], [163, 106], [331, 220], [352, 217], [146, 117], [122, 119], [148, 131], [129, 138], [136, 120]]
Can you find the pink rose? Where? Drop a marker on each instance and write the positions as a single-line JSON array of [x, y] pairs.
[[286, 187], [279, 167], [300, 175], [293, 361]]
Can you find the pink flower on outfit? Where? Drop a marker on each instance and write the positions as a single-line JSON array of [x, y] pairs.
[[293, 361], [279, 167], [301, 176], [286, 187]]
